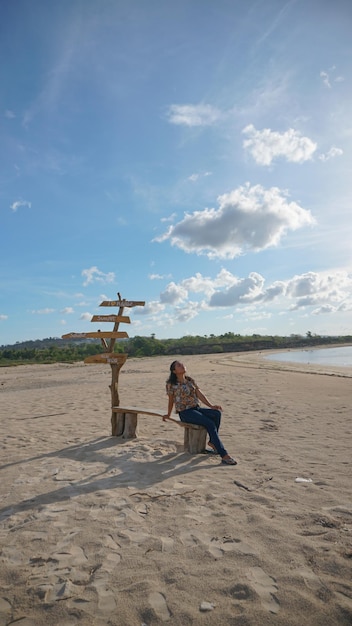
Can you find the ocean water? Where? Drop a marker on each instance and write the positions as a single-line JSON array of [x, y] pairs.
[[340, 357]]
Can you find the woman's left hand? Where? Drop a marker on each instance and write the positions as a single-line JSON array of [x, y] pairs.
[[217, 407]]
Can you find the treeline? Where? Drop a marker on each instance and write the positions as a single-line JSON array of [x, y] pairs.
[[54, 350], [69, 353]]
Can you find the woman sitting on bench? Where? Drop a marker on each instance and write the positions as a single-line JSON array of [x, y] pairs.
[[185, 394]]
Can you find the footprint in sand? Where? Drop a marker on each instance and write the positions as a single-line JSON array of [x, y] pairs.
[[193, 538], [66, 557], [60, 591], [12, 555], [311, 580], [265, 587], [106, 597], [158, 603], [216, 546], [134, 536], [5, 610], [167, 544]]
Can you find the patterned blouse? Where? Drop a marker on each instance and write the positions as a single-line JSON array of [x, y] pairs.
[[183, 394]]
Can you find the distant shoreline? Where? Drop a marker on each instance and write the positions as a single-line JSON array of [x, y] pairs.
[[258, 359]]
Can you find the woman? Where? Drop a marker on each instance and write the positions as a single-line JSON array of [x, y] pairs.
[[185, 394]]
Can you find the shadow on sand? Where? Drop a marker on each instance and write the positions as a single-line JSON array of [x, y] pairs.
[[131, 472]]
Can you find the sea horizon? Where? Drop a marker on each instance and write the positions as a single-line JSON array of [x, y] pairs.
[[340, 356]]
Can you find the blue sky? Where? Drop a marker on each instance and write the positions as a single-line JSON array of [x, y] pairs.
[[193, 154]]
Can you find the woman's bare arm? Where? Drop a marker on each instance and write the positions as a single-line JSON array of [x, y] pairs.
[[204, 399], [169, 408]]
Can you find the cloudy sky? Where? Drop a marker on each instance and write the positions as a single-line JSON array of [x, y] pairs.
[[193, 154]]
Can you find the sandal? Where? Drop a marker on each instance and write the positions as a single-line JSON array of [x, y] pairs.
[[228, 461]]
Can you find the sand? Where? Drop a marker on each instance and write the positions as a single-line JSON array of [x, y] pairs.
[[96, 530]]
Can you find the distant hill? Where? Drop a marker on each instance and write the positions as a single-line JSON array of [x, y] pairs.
[[46, 343]]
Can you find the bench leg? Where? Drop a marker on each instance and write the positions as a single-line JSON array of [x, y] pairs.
[[130, 428], [195, 439], [117, 424]]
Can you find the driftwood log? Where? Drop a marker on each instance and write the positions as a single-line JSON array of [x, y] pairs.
[[195, 438], [117, 421]]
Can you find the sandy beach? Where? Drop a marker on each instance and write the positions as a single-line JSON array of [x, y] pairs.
[[98, 530]]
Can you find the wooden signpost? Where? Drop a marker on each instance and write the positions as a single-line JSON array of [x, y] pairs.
[[96, 335], [114, 359], [122, 303], [111, 318], [124, 419], [107, 357]]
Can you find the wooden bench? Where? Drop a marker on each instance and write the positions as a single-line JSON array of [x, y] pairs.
[[124, 424]]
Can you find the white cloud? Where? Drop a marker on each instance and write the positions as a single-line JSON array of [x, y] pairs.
[[345, 306], [155, 277], [93, 274], [326, 292], [313, 289], [242, 290], [248, 218], [67, 310], [43, 311], [9, 114], [194, 177], [85, 316], [3, 317], [57, 80], [199, 284], [159, 276], [170, 218], [266, 145], [325, 78], [187, 312], [274, 291], [193, 115], [150, 308], [173, 294], [19, 203], [332, 153], [326, 308], [328, 78], [272, 93]]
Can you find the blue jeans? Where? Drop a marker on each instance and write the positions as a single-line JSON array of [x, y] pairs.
[[209, 419]]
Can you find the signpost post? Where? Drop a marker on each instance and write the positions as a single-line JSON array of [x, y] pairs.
[[114, 359]]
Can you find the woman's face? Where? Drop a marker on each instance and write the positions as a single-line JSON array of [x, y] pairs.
[[179, 368]]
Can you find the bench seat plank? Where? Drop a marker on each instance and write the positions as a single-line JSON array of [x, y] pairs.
[[135, 409], [125, 424]]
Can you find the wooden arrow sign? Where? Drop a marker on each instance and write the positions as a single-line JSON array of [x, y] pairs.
[[97, 335], [122, 303], [107, 357], [111, 318]]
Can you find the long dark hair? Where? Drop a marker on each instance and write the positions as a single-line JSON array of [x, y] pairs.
[[172, 378]]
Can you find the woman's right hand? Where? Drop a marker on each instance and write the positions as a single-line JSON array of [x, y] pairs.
[[166, 417]]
